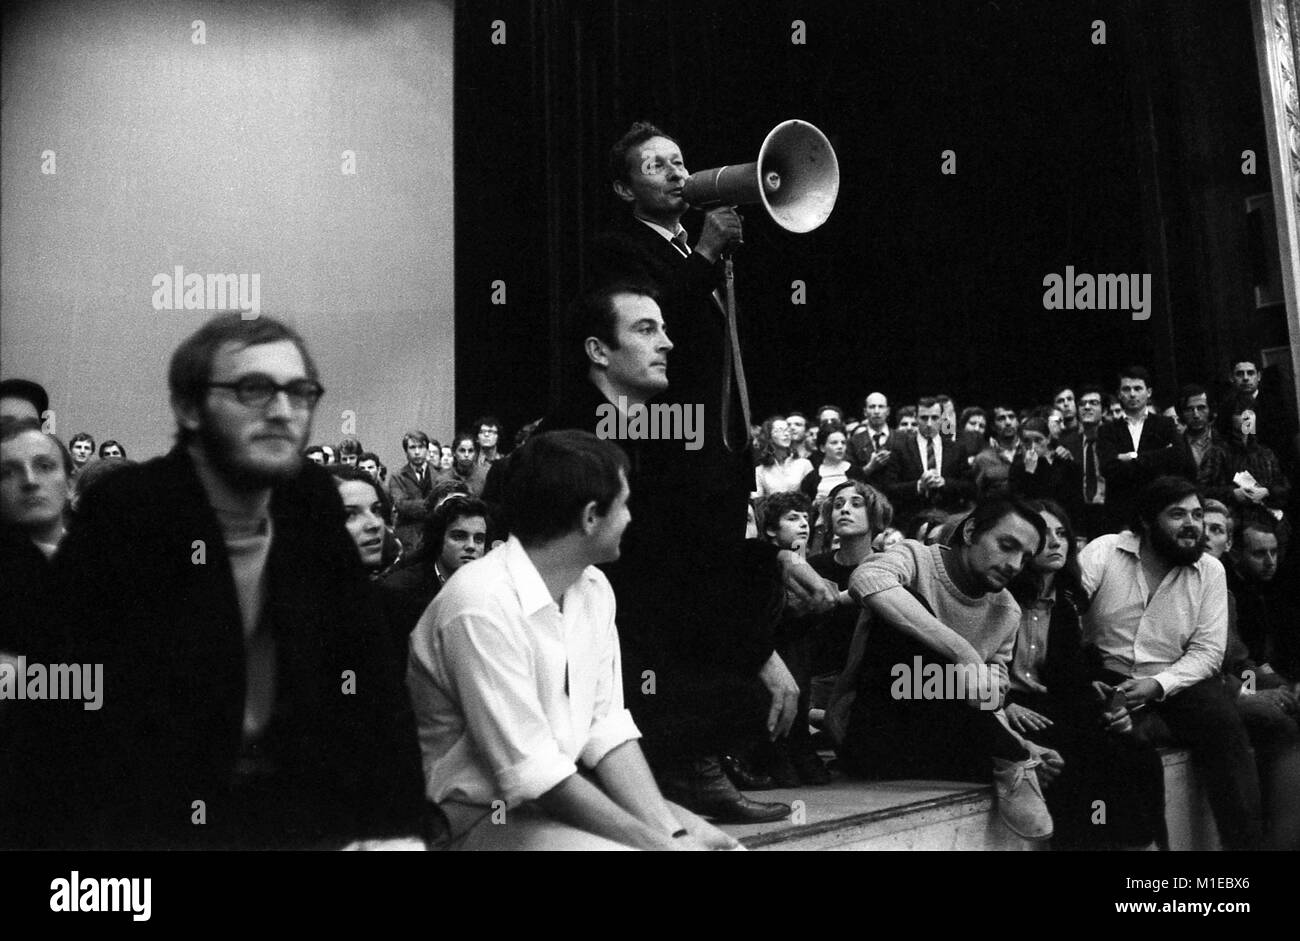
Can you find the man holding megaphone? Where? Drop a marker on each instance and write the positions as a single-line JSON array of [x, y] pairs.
[[697, 604]]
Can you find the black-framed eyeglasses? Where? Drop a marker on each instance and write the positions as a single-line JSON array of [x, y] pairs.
[[257, 391]]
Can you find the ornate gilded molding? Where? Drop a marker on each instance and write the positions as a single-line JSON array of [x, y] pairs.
[[1277, 45]]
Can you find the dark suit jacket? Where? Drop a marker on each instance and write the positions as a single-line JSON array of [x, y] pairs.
[[692, 319], [410, 507], [862, 446], [907, 464], [166, 625], [1158, 454]]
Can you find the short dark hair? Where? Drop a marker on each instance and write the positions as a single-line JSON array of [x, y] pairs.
[[440, 520], [553, 476], [110, 443], [414, 435], [490, 420], [829, 408], [443, 488], [346, 472], [1157, 496], [1058, 389], [1091, 389], [638, 133], [1244, 356], [1134, 372], [828, 428], [82, 436], [969, 412], [368, 456], [350, 445], [593, 313], [994, 507], [1257, 518], [1187, 393], [32, 392], [904, 411], [13, 427], [191, 364], [927, 401], [777, 505]]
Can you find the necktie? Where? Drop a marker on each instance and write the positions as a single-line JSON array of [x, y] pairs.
[[1089, 471], [680, 241], [880, 441], [929, 454]]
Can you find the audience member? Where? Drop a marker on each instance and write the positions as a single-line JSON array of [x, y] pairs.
[[515, 675], [111, 450], [487, 433], [1040, 473], [454, 534], [1137, 450], [22, 398], [946, 613], [778, 470], [1159, 617], [350, 451], [1239, 470], [82, 449], [367, 510], [235, 722], [798, 425], [991, 468], [409, 490], [1052, 699], [926, 470], [872, 442]]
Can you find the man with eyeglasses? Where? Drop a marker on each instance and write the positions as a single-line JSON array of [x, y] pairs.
[[251, 697]]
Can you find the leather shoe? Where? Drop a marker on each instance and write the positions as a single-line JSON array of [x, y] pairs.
[[704, 789], [743, 776]]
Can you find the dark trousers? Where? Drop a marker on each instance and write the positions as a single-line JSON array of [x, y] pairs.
[[917, 738], [1203, 718], [693, 714], [1121, 773]]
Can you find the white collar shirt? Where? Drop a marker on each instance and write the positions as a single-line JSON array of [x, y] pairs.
[[1178, 638], [512, 691], [1135, 429]]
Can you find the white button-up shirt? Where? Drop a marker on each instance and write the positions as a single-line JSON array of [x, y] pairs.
[[510, 690], [1179, 638]]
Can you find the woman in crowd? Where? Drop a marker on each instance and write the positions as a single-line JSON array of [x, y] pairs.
[[367, 508], [778, 470], [831, 469], [1052, 701]]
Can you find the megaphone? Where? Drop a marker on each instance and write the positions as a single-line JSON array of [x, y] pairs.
[[796, 178]]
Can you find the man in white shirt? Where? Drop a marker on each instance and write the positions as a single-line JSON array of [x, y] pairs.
[[516, 680], [1159, 617]]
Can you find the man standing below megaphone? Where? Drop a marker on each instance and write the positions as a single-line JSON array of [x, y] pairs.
[[697, 603]]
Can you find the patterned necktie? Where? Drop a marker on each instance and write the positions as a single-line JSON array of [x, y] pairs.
[[680, 241], [929, 454]]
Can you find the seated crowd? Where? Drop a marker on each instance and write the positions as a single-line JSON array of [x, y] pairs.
[[299, 656]]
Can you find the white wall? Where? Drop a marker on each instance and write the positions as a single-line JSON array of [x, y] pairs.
[[226, 158]]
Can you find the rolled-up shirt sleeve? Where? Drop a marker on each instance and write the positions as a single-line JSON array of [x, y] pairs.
[[489, 666], [611, 723], [1203, 655]]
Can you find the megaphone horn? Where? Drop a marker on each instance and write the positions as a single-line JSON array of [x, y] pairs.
[[796, 178]]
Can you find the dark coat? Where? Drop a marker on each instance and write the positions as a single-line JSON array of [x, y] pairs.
[[905, 467], [166, 625], [1159, 453]]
